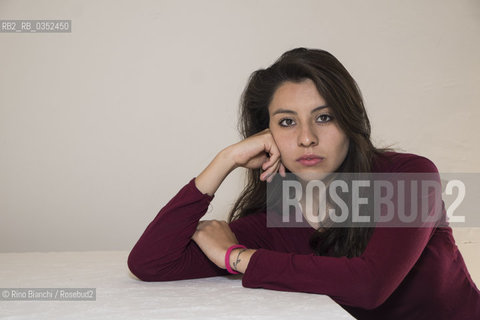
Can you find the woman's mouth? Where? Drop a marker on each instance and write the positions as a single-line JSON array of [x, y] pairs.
[[310, 159]]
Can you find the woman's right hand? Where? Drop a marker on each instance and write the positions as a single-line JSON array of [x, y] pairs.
[[259, 151]]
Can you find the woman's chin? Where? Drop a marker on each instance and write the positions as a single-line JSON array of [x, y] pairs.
[[306, 174], [309, 176]]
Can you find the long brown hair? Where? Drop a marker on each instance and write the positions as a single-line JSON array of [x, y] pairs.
[[342, 94]]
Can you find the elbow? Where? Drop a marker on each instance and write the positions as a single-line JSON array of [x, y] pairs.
[[141, 270], [367, 291], [373, 301], [146, 269], [373, 295], [136, 268]]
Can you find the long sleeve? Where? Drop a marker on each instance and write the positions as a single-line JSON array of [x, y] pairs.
[[166, 252], [365, 281]]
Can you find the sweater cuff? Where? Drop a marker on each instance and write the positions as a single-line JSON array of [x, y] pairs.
[[193, 187], [249, 277]]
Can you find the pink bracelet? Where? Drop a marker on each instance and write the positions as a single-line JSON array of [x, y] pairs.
[[227, 257]]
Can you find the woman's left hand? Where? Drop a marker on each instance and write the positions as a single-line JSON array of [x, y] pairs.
[[214, 237]]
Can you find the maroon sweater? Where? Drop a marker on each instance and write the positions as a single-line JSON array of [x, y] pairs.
[[404, 273]]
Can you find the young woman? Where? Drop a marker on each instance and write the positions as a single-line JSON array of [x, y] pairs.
[[304, 116]]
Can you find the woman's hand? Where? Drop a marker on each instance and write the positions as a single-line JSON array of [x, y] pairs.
[[214, 238], [259, 151]]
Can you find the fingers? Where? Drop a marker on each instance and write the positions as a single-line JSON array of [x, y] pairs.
[[200, 228], [209, 225], [274, 163], [283, 171], [214, 233], [272, 166], [200, 223], [269, 174]]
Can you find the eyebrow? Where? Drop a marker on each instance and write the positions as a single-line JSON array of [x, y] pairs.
[[293, 112]]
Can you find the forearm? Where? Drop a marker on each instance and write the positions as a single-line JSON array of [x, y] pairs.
[[164, 251], [210, 179]]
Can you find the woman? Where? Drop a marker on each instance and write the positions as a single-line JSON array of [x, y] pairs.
[[304, 116]]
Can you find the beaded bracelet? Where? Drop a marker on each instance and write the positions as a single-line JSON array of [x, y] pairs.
[[227, 257]]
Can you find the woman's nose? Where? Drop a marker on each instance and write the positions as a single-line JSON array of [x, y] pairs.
[[307, 137]]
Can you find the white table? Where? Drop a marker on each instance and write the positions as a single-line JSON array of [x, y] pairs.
[[119, 295]]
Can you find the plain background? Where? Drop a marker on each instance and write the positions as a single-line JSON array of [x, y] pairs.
[[100, 127]]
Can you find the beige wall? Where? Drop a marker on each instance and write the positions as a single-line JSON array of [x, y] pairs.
[[99, 128]]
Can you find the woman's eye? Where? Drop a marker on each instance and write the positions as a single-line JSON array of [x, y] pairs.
[[286, 122], [325, 118]]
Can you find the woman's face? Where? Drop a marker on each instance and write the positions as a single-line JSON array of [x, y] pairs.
[[302, 124]]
